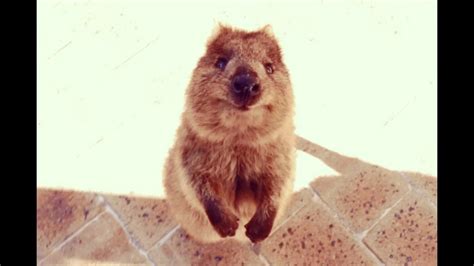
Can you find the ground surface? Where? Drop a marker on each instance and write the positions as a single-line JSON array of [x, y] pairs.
[[364, 215]]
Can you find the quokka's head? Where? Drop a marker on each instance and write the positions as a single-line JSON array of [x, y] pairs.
[[240, 81]]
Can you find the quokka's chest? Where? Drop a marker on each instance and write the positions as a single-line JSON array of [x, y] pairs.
[[225, 160]]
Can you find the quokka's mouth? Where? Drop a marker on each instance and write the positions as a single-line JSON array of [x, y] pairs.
[[244, 105], [243, 108]]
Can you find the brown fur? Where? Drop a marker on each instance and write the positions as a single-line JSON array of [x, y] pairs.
[[232, 170]]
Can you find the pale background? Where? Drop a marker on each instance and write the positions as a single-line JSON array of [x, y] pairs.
[[112, 76]]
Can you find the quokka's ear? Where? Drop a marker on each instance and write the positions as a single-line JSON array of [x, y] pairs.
[[268, 30], [218, 30]]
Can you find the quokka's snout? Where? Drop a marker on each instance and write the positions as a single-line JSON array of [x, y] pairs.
[[245, 87]]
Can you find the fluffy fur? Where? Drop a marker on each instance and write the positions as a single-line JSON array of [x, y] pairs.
[[231, 170]]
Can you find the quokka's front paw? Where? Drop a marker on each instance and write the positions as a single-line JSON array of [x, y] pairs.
[[224, 222], [227, 225], [258, 229]]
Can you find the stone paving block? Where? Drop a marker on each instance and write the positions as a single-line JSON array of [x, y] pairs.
[[59, 214], [325, 183], [297, 201], [425, 182], [163, 255], [407, 235], [314, 236], [360, 198], [180, 249], [103, 241], [146, 219]]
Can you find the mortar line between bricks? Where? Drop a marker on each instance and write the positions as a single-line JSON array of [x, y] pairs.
[[347, 227], [256, 249], [420, 191], [263, 259], [293, 214], [407, 179], [167, 236], [362, 234], [371, 251], [132, 241], [425, 196], [77, 232], [334, 212]]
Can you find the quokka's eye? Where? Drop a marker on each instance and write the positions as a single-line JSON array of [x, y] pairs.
[[269, 68], [221, 63]]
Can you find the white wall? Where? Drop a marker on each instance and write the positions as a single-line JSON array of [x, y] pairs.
[[112, 75]]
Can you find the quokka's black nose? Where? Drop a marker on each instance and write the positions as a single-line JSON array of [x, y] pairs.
[[245, 85]]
